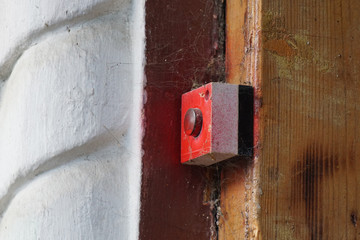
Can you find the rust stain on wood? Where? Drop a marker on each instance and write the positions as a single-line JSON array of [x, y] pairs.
[[280, 47]]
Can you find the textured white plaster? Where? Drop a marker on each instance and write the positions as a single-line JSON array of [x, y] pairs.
[[81, 200], [135, 136], [23, 22], [70, 121], [64, 92]]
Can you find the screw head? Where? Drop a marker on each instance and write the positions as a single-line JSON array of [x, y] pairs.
[[193, 122]]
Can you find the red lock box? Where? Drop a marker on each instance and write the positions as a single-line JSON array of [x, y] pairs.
[[210, 123]]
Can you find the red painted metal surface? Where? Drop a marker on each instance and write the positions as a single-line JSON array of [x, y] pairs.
[[179, 53], [218, 139], [193, 147]]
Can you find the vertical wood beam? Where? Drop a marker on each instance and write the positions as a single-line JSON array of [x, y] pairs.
[[183, 50], [239, 180], [303, 181]]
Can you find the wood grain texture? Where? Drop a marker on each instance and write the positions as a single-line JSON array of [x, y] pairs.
[[310, 86], [306, 164], [239, 178], [236, 34]]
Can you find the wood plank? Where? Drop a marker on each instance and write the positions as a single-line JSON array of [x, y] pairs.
[[239, 178], [182, 46], [235, 40], [306, 165], [311, 87]]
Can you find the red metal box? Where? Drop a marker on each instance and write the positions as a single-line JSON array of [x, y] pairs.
[[216, 123]]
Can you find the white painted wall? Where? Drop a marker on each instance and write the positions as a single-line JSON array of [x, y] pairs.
[[71, 76]]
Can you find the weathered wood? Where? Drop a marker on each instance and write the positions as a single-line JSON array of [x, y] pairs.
[[304, 176], [235, 40], [239, 178]]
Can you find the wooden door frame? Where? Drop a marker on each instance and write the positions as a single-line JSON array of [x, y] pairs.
[[184, 49], [301, 57]]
